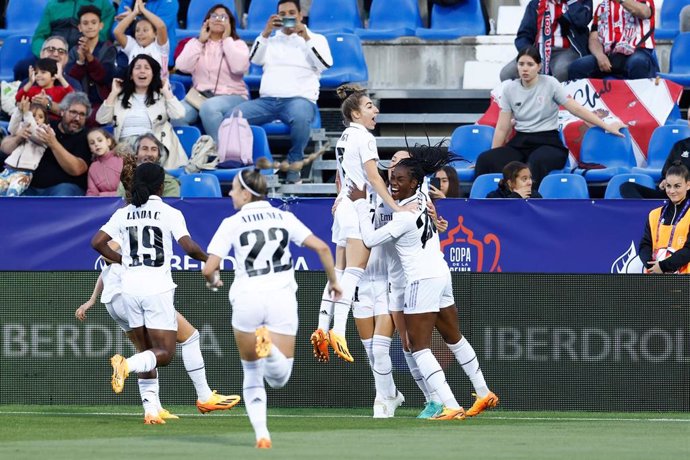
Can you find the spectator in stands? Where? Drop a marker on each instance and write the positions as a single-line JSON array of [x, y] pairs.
[[166, 10], [62, 169], [448, 184], [55, 48], [558, 28], [92, 61], [665, 245], [149, 149], [25, 122], [60, 17], [292, 61], [42, 81], [621, 42], [516, 183], [533, 101], [104, 172], [141, 104], [150, 36], [217, 60], [680, 152]]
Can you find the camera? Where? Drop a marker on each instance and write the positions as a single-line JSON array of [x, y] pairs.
[[289, 22], [435, 182]]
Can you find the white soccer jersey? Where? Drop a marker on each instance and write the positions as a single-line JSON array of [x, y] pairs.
[[147, 233], [355, 147], [260, 235], [413, 233], [111, 276]]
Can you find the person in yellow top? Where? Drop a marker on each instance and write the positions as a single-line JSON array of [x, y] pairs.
[[665, 246]]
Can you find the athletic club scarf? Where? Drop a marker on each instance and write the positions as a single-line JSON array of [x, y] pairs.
[[619, 31], [548, 13]]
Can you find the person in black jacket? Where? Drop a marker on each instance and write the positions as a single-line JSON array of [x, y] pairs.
[[516, 182], [558, 45], [665, 245]]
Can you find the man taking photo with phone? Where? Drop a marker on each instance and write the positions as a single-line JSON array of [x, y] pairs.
[[292, 58]]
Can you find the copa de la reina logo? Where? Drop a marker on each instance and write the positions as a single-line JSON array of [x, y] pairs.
[[466, 251]]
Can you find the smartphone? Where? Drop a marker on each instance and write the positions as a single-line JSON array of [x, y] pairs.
[[289, 22], [435, 182]]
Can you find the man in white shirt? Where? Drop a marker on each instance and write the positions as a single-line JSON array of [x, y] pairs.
[[292, 59]]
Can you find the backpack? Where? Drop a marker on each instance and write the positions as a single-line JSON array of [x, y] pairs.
[[204, 155], [235, 140]]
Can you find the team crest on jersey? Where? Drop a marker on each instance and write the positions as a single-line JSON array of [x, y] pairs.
[[466, 252]]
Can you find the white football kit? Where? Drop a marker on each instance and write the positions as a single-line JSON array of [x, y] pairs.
[[263, 291], [355, 147], [147, 233], [418, 248]]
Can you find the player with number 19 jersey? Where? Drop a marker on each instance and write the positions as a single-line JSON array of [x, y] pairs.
[[260, 235], [146, 233]]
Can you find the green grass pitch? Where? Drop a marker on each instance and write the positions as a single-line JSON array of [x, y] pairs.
[[118, 432]]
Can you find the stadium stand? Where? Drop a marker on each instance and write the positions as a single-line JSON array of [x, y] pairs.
[[14, 49], [195, 17], [484, 184], [450, 22], [257, 15], [615, 153], [349, 65], [468, 142], [679, 65], [21, 17], [669, 25], [187, 135]]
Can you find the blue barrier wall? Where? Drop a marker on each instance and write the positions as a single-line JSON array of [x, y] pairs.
[[547, 236]]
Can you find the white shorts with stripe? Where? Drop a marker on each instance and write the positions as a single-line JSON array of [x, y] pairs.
[[118, 312], [275, 309], [428, 295], [371, 298], [155, 311]]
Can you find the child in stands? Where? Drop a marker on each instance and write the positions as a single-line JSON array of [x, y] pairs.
[[104, 172], [150, 36], [42, 81]]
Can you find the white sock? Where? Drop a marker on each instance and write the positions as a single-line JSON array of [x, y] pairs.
[[194, 364], [254, 395], [277, 368], [148, 389], [465, 355], [326, 308], [367, 343], [383, 367], [416, 375], [348, 283], [142, 362], [434, 377]]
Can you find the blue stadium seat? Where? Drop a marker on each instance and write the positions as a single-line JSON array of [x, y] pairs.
[[195, 16], [22, 17], [178, 89], [669, 19], [469, 141], [183, 78], [484, 184], [349, 65], [199, 185], [386, 23], [613, 188], [679, 66], [253, 77], [616, 153], [450, 22], [564, 186], [258, 14], [334, 16], [260, 149], [14, 49], [187, 135], [278, 128], [660, 145]]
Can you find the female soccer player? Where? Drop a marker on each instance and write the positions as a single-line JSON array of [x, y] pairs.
[[109, 287], [665, 247], [357, 167], [264, 326], [146, 228]]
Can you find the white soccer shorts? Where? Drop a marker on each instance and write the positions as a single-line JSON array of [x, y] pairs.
[[118, 312], [427, 295], [155, 311], [276, 309], [371, 299]]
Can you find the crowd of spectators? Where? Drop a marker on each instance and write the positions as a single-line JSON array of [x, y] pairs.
[[127, 87]]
